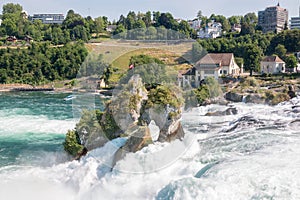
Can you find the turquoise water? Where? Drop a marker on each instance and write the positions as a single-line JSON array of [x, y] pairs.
[[33, 126], [220, 157]]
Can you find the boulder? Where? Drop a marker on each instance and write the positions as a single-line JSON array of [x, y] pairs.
[[245, 122], [231, 96], [291, 92], [139, 139], [228, 111], [171, 132], [255, 98]]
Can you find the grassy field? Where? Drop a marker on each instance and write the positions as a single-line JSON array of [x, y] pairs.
[[118, 54]]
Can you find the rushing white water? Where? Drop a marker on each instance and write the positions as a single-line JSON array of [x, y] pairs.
[[251, 155]]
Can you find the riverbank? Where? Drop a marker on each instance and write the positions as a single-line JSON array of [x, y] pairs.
[[270, 90]]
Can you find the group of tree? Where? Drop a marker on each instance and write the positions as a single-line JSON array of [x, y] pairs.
[[251, 47], [150, 22], [15, 22], [41, 63]]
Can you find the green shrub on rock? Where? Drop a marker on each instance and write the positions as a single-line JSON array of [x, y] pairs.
[[72, 143]]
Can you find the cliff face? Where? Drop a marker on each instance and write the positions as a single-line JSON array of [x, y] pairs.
[[131, 113]]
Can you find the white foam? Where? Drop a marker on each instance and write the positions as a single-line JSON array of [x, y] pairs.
[[262, 164], [34, 124]]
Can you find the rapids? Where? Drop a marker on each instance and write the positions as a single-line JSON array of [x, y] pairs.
[[251, 155]]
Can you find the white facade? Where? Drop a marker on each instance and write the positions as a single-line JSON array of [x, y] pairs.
[[211, 65], [295, 23], [195, 24], [272, 67], [49, 18], [212, 30]]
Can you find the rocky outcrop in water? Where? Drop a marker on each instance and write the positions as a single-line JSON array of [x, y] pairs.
[[235, 97], [245, 122], [129, 114], [291, 92], [228, 111]]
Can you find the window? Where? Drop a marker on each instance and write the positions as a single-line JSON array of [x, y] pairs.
[[224, 71], [209, 72]]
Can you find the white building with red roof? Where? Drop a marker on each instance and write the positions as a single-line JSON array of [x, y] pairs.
[[272, 65], [211, 65]]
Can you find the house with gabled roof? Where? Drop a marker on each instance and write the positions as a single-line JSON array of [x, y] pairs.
[[272, 65], [217, 65], [211, 65]]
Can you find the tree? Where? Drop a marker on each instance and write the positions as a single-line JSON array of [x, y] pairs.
[[151, 33], [3, 76], [9, 26], [185, 28], [168, 21], [156, 16], [122, 20], [139, 24], [234, 20], [247, 29], [280, 50], [250, 18], [120, 29], [199, 14], [11, 8], [291, 62], [147, 19], [252, 57], [99, 25], [72, 20]]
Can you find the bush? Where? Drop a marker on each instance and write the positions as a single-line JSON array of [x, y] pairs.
[[72, 143], [202, 94], [280, 97], [213, 87], [250, 81]]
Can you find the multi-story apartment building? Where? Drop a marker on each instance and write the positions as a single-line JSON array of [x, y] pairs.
[[273, 19], [295, 22], [49, 18]]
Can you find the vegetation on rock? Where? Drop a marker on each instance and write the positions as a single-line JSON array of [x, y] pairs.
[[72, 143]]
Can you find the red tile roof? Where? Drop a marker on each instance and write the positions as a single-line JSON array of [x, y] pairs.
[[222, 59], [272, 59]]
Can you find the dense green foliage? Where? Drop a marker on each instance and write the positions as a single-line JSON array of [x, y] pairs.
[[151, 70], [209, 90], [144, 22], [202, 94], [72, 143], [108, 123], [41, 63], [291, 61], [163, 95], [75, 27]]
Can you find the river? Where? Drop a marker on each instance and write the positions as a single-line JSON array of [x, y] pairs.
[[251, 155]]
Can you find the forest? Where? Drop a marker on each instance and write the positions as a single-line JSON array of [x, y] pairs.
[[41, 63]]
